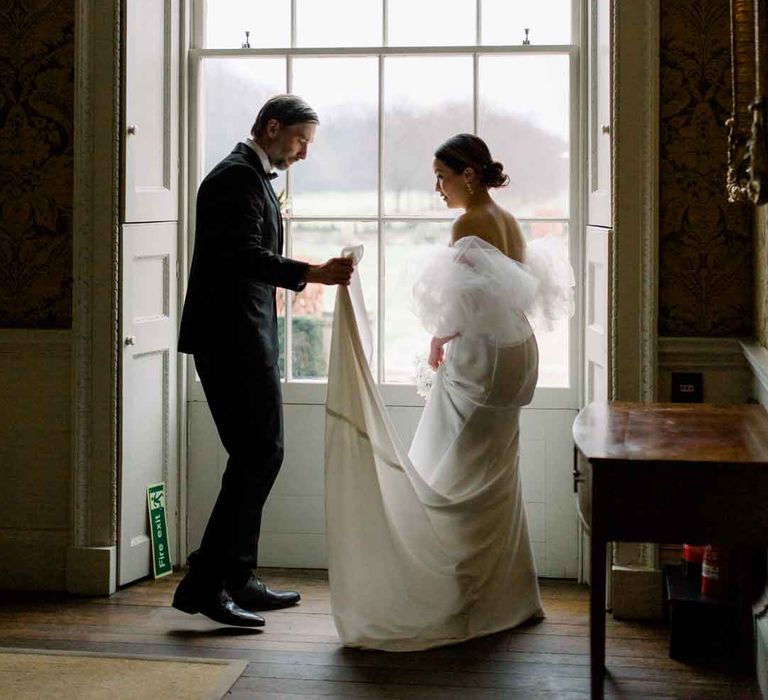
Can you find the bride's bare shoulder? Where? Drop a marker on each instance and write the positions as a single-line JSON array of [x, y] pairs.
[[462, 227], [495, 226], [514, 237], [470, 223]]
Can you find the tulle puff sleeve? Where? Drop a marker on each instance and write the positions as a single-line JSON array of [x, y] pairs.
[[473, 289], [548, 262]]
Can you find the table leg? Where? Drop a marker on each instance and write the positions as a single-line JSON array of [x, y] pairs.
[[597, 565]]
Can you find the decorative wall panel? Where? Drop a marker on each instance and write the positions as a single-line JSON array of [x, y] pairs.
[[705, 246], [36, 163]]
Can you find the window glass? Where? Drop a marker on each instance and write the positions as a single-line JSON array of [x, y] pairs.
[[313, 308], [335, 23], [405, 341], [524, 119], [505, 21], [435, 22], [340, 175], [227, 21], [426, 100]]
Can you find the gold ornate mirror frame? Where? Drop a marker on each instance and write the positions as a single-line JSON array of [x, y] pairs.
[[747, 178]]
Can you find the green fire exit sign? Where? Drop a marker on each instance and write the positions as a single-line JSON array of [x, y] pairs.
[[158, 527]]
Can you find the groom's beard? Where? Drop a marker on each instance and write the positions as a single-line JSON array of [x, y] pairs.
[[283, 163], [282, 160]]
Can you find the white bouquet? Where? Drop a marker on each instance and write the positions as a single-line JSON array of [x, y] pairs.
[[424, 376]]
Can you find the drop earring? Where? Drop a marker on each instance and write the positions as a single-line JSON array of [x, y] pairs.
[[470, 191]]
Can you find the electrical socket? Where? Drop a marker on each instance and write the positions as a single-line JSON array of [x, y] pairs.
[[687, 387]]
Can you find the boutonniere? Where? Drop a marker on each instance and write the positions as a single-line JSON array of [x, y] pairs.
[[281, 199]]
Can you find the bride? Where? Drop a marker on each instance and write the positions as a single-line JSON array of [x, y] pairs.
[[431, 547]]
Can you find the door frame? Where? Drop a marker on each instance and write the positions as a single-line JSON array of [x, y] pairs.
[[91, 563], [96, 244], [635, 35]]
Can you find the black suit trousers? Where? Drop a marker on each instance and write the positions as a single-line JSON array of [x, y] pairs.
[[245, 401]]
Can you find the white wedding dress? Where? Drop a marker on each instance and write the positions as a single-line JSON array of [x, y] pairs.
[[430, 547]]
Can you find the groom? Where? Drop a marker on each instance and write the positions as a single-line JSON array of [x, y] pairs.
[[229, 325]]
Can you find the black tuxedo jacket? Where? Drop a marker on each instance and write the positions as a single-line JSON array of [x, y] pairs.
[[237, 263]]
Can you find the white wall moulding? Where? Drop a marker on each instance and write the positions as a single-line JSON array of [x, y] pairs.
[[95, 273]]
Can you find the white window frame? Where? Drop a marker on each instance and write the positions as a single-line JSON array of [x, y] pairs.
[[314, 391]]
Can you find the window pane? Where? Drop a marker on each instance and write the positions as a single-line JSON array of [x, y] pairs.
[[233, 91], [435, 22], [226, 22], [404, 338], [554, 345], [548, 22], [313, 308], [340, 175], [426, 100], [524, 118], [338, 23]]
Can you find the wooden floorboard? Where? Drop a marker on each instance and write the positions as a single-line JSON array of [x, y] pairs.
[[297, 655]]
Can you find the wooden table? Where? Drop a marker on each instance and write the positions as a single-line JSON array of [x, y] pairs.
[[694, 473]]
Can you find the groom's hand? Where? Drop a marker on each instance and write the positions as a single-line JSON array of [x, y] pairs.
[[333, 271]]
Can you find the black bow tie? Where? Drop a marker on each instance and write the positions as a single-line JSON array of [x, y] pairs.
[[271, 176]]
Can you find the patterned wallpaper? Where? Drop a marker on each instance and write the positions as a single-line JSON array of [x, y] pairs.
[[36, 125], [705, 246], [761, 276]]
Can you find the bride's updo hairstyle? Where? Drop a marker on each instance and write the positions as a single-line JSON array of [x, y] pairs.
[[469, 151]]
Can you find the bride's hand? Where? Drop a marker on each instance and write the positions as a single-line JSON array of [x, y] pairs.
[[437, 351], [436, 354]]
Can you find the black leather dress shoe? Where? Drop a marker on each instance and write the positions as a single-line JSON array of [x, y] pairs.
[[191, 597], [255, 595]]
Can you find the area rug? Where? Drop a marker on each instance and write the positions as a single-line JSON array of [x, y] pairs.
[[32, 674]]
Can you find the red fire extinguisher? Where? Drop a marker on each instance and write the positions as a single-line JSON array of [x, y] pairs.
[[716, 572], [693, 556]]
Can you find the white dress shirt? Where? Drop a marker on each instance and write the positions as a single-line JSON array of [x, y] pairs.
[[263, 157]]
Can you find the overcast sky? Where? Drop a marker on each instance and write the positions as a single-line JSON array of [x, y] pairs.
[[533, 87]]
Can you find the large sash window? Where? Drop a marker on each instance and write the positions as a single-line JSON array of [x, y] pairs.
[[392, 79]]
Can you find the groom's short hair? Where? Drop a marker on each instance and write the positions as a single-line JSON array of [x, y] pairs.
[[286, 109]]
